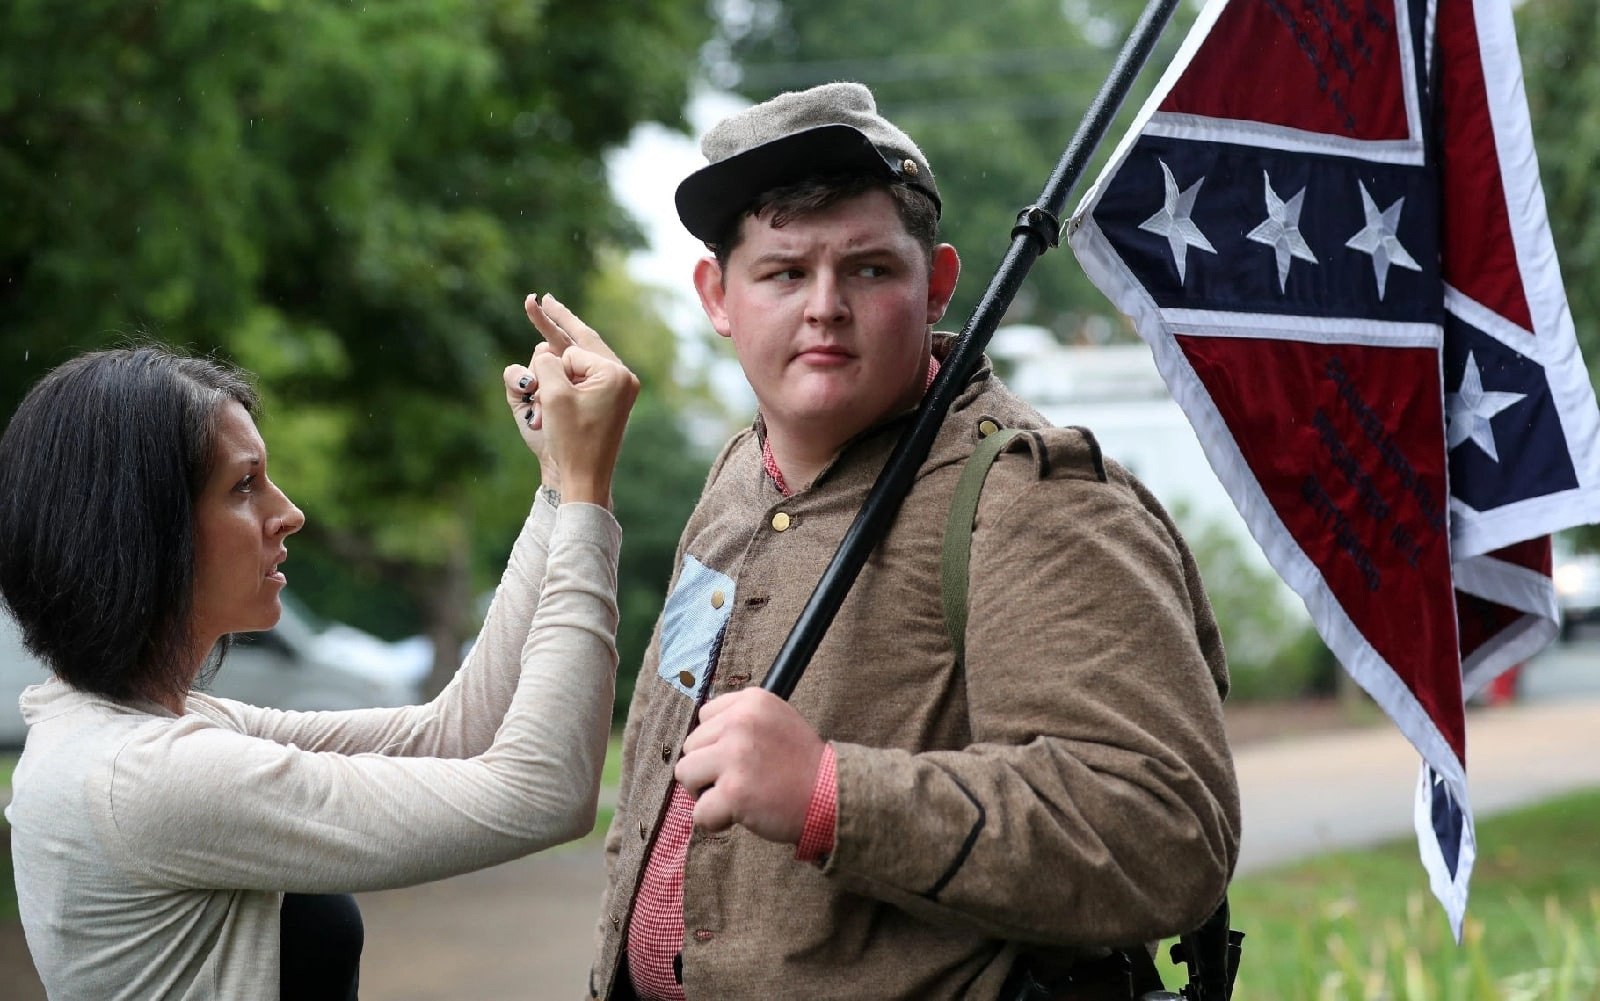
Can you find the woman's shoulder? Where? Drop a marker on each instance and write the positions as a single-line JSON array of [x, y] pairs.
[[57, 713], [210, 710], [87, 741], [70, 757]]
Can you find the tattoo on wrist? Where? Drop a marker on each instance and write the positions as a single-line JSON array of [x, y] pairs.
[[553, 496]]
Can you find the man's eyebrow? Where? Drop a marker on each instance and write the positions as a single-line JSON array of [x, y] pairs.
[[776, 257], [871, 250]]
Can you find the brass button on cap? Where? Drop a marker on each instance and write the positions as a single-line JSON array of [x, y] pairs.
[[987, 427], [686, 679], [717, 598], [780, 522]]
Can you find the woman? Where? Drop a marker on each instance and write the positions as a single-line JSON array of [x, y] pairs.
[[156, 830]]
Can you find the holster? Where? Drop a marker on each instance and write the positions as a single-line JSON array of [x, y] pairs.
[[1108, 978]]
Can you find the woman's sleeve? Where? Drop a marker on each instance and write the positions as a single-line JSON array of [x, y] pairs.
[[199, 805]]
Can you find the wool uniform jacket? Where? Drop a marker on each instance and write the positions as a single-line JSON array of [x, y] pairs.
[[1067, 789], [152, 850]]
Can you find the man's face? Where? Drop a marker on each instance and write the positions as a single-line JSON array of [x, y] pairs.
[[830, 316]]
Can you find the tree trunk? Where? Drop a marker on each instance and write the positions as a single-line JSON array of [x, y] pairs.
[[1352, 697], [446, 602]]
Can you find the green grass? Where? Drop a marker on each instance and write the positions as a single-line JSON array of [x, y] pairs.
[[610, 776], [1363, 925], [8, 885], [611, 771], [8, 889]]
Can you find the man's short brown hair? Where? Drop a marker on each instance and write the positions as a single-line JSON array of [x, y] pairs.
[[778, 206]]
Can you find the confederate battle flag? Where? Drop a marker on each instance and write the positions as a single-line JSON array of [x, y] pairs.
[[1327, 222]]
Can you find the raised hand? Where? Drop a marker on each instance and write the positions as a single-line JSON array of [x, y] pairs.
[[561, 329], [582, 399]]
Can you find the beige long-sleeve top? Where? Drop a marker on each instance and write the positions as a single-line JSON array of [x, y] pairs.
[[152, 850]]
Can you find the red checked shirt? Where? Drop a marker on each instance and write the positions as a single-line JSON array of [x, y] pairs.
[[656, 930]]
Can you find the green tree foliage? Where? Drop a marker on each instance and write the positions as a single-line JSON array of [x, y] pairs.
[[992, 93], [1561, 70], [351, 201], [655, 495], [1273, 653], [660, 472]]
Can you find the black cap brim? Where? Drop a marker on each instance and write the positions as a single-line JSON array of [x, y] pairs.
[[710, 199]]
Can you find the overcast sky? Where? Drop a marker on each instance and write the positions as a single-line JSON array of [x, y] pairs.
[[644, 175]]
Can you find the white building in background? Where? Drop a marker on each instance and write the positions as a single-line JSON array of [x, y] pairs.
[[1115, 391]]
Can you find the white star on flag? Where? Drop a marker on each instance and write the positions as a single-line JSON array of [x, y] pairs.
[[1378, 239], [1173, 221], [1470, 410], [1281, 230]]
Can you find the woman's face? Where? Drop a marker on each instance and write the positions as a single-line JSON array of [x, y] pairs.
[[241, 522]]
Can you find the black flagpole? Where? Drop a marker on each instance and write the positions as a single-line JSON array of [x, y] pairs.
[[1038, 229]]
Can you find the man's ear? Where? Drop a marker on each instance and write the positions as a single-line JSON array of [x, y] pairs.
[[708, 283], [942, 280]]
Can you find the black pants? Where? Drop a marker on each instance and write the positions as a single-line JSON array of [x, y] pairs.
[[320, 937]]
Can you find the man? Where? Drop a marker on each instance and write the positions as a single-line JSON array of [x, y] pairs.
[[909, 826]]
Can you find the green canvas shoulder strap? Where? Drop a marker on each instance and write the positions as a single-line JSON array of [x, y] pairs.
[[957, 552]]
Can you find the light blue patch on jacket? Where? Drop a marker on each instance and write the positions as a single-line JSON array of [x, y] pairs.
[[695, 613]]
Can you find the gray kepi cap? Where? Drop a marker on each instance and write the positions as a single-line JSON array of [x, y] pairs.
[[831, 130]]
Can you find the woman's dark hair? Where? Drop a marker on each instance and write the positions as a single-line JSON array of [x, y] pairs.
[[99, 470]]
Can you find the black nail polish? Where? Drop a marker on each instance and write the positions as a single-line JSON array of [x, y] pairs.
[[528, 416], [523, 382], [527, 397]]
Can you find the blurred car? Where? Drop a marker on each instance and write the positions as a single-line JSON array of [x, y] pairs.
[[1576, 577], [294, 666], [405, 662]]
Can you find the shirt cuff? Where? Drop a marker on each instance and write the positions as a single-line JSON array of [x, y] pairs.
[[816, 837]]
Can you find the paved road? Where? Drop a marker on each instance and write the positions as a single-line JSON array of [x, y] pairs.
[[521, 932], [1347, 790], [1352, 789]]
